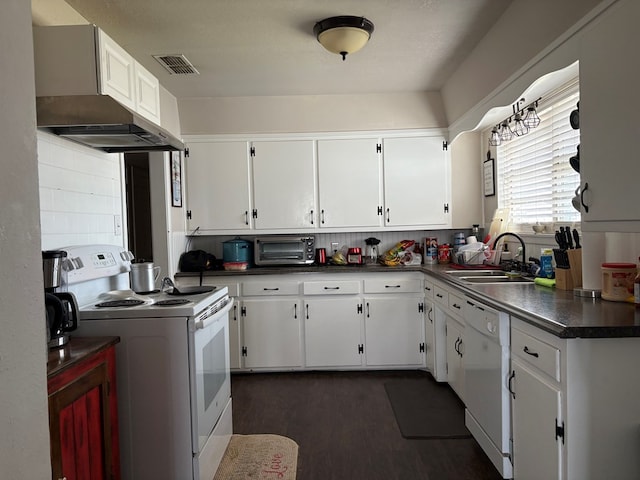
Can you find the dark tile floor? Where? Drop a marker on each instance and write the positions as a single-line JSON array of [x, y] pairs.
[[346, 430]]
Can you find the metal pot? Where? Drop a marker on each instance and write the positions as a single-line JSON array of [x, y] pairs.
[[143, 277], [236, 250]]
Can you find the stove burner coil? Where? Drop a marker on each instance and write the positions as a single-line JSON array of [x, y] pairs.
[[120, 303], [171, 302]]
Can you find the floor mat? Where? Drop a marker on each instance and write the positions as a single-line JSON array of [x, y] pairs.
[[425, 408], [259, 457]]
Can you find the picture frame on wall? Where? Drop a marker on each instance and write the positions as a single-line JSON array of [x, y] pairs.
[[176, 180], [489, 176]]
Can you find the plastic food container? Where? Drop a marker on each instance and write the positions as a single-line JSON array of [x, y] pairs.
[[235, 266], [617, 281]]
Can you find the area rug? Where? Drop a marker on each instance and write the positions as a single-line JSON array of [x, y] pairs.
[[262, 457], [425, 408]]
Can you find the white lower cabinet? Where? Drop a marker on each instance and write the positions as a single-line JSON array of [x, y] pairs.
[[393, 330], [536, 408], [455, 355], [333, 332], [536, 405], [429, 336], [325, 321], [271, 333]]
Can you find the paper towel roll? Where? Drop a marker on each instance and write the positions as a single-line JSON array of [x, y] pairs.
[[593, 256]]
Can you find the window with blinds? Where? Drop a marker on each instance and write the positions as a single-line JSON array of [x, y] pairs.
[[535, 179]]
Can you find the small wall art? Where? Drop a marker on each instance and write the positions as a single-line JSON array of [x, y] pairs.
[[176, 180]]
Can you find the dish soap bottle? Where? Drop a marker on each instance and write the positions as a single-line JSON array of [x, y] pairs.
[[546, 266]]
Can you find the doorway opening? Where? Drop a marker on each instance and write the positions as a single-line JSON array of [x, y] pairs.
[[138, 194]]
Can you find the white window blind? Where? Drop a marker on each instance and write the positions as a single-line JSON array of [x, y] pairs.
[[535, 179]]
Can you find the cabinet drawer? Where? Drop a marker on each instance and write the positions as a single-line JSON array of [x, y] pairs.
[[392, 285], [331, 287], [536, 352], [266, 288], [441, 296], [429, 289], [456, 304]]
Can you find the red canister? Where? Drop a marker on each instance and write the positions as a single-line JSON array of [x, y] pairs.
[[444, 253], [321, 256]]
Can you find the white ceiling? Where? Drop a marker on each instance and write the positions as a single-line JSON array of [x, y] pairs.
[[260, 47]]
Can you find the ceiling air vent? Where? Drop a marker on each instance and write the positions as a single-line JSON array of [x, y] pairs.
[[177, 64]]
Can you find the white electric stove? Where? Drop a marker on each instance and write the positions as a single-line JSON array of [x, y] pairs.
[[172, 365]]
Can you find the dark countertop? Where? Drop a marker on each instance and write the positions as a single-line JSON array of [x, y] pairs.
[[75, 351], [559, 312], [556, 311], [307, 269]]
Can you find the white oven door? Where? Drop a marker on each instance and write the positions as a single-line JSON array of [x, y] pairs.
[[210, 372]]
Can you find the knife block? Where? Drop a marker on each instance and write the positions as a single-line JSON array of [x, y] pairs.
[[570, 278], [575, 263], [564, 280]]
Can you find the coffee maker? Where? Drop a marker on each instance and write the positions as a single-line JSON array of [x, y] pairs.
[[61, 307]]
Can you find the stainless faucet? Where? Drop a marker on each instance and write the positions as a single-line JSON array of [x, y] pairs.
[[495, 242]]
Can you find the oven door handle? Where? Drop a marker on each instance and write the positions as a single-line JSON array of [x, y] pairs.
[[205, 322]]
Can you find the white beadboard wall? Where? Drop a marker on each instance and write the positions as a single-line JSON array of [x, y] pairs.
[[213, 244], [80, 194]]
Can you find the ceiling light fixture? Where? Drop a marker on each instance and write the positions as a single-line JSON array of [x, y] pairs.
[[523, 123], [343, 34], [531, 119]]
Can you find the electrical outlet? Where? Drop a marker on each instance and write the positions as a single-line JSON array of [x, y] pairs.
[[117, 224]]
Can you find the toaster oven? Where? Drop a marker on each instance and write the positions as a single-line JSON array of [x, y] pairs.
[[284, 250]]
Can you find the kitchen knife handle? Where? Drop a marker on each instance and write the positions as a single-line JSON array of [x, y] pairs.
[[576, 238], [567, 234]]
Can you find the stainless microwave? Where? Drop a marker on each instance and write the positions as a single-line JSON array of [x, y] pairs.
[[284, 250]]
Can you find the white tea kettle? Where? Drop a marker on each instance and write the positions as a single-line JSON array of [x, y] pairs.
[[143, 277]]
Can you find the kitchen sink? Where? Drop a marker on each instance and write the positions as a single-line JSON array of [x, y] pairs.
[[476, 273], [488, 276], [487, 279]]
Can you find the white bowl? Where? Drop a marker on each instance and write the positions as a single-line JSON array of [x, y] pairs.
[[538, 228]]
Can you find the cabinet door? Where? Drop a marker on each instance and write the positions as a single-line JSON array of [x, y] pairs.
[[430, 337], [217, 186], [271, 333], [235, 336], [393, 328], [284, 184], [455, 356], [82, 415], [349, 179], [610, 167], [415, 182], [536, 408], [333, 332], [117, 75], [147, 94]]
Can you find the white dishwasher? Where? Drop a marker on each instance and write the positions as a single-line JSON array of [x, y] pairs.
[[486, 363]]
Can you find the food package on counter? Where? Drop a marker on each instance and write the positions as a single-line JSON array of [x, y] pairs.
[[396, 254]]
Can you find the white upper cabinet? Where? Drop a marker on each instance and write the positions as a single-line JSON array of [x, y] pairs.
[[290, 185], [116, 71], [147, 93], [415, 182], [609, 167], [284, 183], [84, 60], [349, 183], [217, 186]]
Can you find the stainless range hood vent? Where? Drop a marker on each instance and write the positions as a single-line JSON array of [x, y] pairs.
[[100, 122], [176, 64]]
